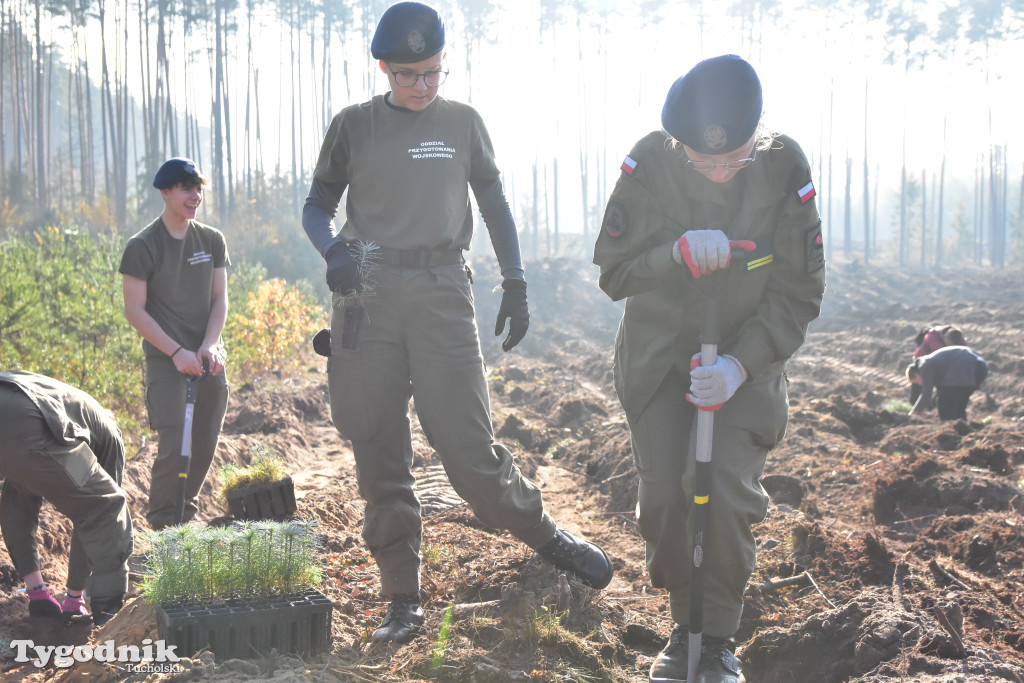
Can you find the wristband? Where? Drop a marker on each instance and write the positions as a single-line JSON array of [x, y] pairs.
[[180, 347]]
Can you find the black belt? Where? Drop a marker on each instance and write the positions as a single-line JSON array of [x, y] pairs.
[[420, 258]]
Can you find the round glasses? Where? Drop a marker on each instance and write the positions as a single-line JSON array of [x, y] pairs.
[[729, 164], [407, 79]]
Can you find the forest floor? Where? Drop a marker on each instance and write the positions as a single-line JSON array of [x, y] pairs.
[[893, 549]]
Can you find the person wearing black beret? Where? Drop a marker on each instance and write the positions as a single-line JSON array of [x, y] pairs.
[[176, 296], [408, 159], [711, 212]]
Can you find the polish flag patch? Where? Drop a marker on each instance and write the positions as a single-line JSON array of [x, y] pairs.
[[628, 165], [806, 193]]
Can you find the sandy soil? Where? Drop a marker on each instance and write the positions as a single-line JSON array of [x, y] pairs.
[[892, 551]]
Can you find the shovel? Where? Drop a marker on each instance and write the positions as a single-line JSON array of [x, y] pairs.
[[191, 387], [709, 335]]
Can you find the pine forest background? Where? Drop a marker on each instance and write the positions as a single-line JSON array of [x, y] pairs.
[[907, 109]]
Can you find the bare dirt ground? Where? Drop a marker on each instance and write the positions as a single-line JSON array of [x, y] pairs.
[[892, 551]]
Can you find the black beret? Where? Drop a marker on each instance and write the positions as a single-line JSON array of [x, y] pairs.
[[715, 107], [408, 32], [174, 171]]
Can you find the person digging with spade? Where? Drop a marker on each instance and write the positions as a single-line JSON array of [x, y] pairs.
[[408, 159], [175, 287], [712, 176]]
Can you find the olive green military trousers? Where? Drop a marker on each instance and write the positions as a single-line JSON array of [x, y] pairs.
[[165, 402], [34, 466], [419, 339], [664, 447]]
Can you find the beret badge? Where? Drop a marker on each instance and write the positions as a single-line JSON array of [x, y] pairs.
[[715, 137], [416, 42]]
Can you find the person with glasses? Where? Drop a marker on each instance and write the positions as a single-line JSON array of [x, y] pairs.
[[408, 159], [711, 210]]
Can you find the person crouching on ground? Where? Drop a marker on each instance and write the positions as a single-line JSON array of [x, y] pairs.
[[408, 159], [953, 373], [59, 444], [932, 339], [711, 176]]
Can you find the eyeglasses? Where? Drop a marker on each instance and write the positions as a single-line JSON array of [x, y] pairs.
[[407, 79], [729, 164]]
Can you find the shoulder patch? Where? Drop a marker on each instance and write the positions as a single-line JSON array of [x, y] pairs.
[[615, 219], [628, 165], [806, 193], [814, 249]]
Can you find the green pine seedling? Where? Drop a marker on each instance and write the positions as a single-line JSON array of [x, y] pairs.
[[246, 560]]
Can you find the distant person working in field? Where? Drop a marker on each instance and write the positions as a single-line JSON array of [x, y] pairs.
[[713, 175], [58, 443], [953, 373], [409, 158], [176, 296], [932, 339], [937, 336]]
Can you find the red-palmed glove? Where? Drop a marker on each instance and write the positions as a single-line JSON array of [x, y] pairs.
[[705, 251], [713, 385]]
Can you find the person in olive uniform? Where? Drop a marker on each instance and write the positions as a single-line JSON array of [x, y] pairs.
[[953, 373], [176, 296], [58, 443], [712, 176], [408, 159]]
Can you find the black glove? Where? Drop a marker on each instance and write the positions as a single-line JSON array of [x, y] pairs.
[[513, 306], [322, 342], [342, 270]]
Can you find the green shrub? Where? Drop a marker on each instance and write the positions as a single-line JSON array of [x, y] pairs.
[[187, 564], [896, 406], [62, 315]]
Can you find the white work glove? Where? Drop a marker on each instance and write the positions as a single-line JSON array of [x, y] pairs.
[[703, 251], [713, 385]]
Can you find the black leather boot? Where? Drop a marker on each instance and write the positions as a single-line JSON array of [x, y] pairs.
[[104, 608], [671, 663], [402, 622], [718, 663], [584, 559]]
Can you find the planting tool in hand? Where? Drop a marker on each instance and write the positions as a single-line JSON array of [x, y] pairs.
[[191, 386], [709, 335]]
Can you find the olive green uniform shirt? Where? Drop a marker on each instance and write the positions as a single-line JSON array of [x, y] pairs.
[[179, 278], [399, 165], [764, 306]]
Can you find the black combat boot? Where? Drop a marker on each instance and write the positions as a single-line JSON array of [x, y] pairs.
[[671, 663], [104, 608], [584, 559], [718, 664], [402, 622]]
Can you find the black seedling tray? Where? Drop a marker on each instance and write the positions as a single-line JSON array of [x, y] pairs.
[[295, 624], [265, 501]]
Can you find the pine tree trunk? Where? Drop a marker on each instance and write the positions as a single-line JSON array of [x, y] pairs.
[[42, 198], [867, 187]]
